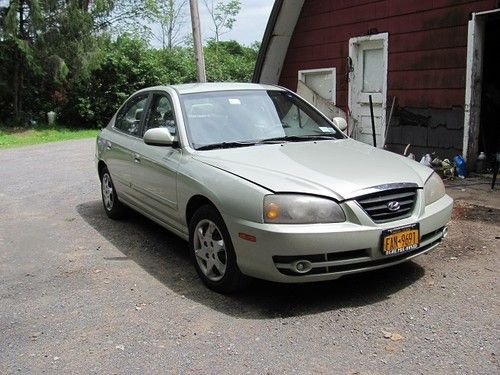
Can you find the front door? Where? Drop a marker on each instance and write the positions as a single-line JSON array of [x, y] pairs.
[[368, 77], [156, 178]]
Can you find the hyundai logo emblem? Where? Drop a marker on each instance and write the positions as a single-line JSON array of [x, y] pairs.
[[393, 206]]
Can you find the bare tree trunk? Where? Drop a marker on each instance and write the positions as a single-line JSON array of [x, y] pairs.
[[171, 23], [163, 35], [170, 32], [17, 78], [15, 91]]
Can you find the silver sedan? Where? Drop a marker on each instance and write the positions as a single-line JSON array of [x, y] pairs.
[[262, 185]]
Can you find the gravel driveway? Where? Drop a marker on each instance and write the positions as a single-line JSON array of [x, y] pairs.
[[82, 294]]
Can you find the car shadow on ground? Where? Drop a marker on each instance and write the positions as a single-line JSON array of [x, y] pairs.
[[165, 256]]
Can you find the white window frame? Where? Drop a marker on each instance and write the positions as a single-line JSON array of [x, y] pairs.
[[303, 73]]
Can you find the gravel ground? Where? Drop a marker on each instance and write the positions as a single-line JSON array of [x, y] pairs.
[[82, 294]]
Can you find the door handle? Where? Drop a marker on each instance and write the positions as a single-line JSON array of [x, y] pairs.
[[137, 158]]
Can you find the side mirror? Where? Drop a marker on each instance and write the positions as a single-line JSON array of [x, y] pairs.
[[158, 137], [340, 123]]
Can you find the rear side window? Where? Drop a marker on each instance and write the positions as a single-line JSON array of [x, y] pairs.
[[128, 120]]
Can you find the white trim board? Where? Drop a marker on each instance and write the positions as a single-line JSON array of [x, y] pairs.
[[473, 88]]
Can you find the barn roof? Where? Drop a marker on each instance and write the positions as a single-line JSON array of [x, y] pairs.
[[279, 31]]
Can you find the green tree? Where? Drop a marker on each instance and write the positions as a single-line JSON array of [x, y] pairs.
[[171, 16], [229, 61], [223, 15], [128, 65], [48, 45], [21, 21], [69, 56]]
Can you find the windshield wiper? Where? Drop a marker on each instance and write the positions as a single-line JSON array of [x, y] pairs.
[[214, 146], [299, 138]]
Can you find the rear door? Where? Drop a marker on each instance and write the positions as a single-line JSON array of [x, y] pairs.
[[122, 143], [156, 178]]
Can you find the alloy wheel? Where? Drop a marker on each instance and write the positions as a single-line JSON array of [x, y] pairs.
[[107, 192], [209, 250]]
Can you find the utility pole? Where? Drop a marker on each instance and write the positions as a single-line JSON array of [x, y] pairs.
[[198, 45]]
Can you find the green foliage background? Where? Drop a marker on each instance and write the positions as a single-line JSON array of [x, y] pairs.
[[60, 55]]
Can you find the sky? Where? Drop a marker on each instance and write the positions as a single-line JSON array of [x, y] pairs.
[[249, 27], [250, 23]]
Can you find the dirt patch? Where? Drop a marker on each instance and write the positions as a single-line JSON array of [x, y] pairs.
[[471, 212]]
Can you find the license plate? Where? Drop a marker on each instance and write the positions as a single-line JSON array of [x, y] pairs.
[[400, 240]]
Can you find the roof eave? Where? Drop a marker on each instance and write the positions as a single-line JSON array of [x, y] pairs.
[[279, 30]]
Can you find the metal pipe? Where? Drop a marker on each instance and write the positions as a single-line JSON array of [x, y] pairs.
[[373, 122]]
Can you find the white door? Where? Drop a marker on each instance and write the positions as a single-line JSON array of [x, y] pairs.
[[368, 76]]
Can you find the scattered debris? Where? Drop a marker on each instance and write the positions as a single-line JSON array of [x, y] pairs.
[[120, 347], [34, 336], [393, 336], [426, 160], [390, 348], [396, 337], [444, 168], [461, 166]]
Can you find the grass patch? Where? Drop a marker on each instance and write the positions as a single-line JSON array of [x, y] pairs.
[[16, 137]]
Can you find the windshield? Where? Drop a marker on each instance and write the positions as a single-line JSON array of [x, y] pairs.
[[242, 118]]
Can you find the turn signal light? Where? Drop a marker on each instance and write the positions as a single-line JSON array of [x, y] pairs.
[[272, 211]]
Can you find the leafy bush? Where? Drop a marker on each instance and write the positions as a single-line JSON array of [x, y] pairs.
[[86, 92]]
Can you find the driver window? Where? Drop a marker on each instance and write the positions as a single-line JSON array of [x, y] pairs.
[[128, 119], [161, 115]]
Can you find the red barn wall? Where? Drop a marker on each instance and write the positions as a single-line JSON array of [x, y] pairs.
[[427, 45]]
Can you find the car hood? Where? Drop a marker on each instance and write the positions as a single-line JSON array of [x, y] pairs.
[[339, 168]]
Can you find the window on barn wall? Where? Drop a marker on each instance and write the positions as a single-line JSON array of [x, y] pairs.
[[321, 81], [373, 60]]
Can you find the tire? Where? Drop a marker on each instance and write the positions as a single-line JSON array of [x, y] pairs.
[[212, 252], [112, 206]]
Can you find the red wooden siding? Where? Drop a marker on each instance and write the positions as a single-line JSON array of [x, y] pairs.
[[427, 45]]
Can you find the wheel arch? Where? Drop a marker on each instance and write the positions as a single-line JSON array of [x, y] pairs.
[[194, 203], [100, 167]]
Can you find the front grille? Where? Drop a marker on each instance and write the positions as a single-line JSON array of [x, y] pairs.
[[376, 205]]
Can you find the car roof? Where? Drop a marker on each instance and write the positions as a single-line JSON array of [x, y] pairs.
[[192, 88]]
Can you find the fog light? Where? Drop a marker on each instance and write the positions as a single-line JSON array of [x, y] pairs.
[[302, 266], [445, 232]]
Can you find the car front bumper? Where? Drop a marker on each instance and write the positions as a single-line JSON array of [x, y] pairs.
[[332, 250]]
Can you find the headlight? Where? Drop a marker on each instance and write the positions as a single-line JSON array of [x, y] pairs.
[[433, 189], [301, 209]]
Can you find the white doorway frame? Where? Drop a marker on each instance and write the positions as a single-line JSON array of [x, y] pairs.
[[473, 84], [353, 55]]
